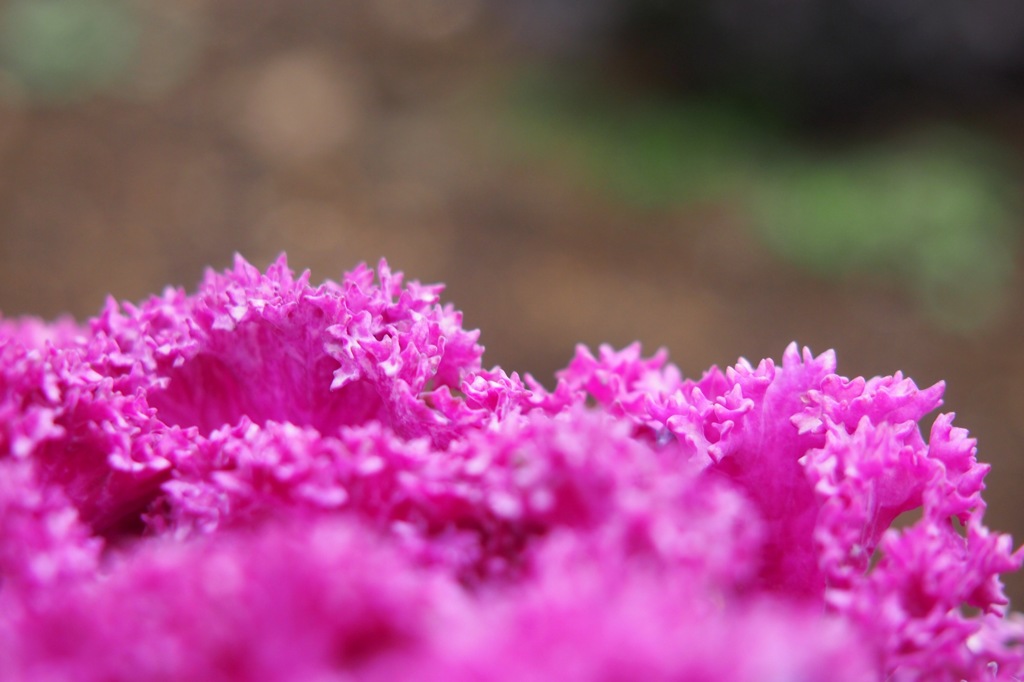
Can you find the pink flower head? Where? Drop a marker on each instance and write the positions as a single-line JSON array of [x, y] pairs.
[[267, 480]]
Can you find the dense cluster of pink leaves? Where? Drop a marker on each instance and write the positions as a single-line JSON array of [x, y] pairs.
[[268, 480]]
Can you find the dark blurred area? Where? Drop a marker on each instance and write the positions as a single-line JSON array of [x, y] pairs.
[[716, 177], [817, 63]]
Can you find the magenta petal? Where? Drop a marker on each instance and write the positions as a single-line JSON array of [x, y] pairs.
[[269, 480]]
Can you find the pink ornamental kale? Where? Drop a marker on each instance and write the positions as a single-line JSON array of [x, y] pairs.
[[268, 480]]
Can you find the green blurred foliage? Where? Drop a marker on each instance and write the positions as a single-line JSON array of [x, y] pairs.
[[62, 51], [59, 50], [648, 152], [937, 211], [933, 210]]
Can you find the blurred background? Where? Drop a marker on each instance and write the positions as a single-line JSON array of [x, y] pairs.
[[713, 176]]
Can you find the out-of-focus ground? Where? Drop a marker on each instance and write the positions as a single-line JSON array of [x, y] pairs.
[[561, 198]]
